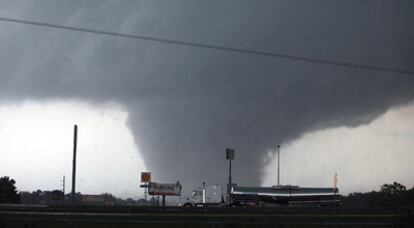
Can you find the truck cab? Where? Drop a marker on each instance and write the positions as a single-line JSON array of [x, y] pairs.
[[203, 196]]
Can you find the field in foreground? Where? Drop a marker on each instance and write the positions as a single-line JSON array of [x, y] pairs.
[[44, 217]]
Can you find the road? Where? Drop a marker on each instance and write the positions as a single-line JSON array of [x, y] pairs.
[[67, 217]]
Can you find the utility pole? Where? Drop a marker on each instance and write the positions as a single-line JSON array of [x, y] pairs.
[[204, 194], [75, 142], [229, 156], [63, 190], [278, 165]]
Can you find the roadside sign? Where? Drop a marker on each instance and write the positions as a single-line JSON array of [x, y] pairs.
[[145, 177], [229, 154], [165, 189]]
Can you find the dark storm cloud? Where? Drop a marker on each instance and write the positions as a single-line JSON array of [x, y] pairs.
[[186, 105]]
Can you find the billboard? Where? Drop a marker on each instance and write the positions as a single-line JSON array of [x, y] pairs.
[[166, 189]]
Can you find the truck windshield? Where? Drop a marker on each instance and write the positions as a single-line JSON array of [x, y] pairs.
[[196, 193]]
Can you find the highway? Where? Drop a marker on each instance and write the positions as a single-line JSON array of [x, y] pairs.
[[38, 216]]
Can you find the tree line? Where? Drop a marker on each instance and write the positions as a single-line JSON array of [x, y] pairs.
[[394, 194]]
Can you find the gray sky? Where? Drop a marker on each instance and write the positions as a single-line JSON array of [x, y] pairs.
[[185, 105]]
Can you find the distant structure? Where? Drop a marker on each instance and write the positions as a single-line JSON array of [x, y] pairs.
[[98, 200]]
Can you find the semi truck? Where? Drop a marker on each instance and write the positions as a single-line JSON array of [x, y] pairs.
[[262, 196], [203, 196]]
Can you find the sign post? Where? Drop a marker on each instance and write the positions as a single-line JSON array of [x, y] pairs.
[[145, 179]]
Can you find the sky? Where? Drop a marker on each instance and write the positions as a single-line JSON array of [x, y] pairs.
[[363, 157], [37, 138], [173, 109]]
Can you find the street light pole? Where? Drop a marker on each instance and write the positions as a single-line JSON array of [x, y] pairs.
[[230, 171], [278, 165]]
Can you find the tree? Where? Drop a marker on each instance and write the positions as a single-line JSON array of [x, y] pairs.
[[394, 194], [8, 192], [393, 189]]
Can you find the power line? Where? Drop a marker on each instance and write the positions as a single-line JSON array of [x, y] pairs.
[[216, 47]]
